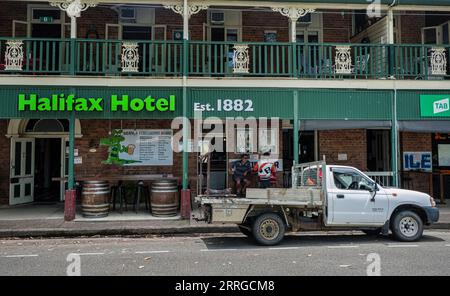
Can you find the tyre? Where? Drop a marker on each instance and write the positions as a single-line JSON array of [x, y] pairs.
[[245, 231], [372, 232], [268, 229], [407, 226]]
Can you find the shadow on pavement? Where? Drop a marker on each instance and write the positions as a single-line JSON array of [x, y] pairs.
[[307, 240]]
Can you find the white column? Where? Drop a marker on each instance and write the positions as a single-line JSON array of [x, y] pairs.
[[390, 24], [73, 27], [293, 30], [73, 8], [293, 13], [185, 20]]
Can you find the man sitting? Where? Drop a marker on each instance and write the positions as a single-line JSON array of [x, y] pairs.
[[240, 171]]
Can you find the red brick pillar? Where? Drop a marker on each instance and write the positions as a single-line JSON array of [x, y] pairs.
[[185, 203], [70, 205]]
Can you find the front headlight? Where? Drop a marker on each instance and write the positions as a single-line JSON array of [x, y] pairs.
[[433, 203]]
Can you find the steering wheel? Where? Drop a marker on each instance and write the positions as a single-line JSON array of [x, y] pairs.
[[353, 185]]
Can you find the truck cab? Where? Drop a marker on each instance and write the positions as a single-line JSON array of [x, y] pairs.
[[355, 199]]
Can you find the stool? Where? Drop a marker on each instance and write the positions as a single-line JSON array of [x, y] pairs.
[[142, 190], [118, 191]]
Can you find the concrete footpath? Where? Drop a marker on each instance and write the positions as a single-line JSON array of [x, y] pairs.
[[57, 227]]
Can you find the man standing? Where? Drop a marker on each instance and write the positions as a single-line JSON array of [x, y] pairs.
[[266, 170], [240, 170]]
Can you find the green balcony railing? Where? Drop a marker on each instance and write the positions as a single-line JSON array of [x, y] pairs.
[[97, 57], [115, 57], [33, 56], [218, 58]]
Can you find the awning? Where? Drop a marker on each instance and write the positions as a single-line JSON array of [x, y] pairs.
[[425, 126], [343, 124]]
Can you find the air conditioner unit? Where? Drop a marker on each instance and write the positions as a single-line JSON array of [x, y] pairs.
[[127, 13], [217, 18]]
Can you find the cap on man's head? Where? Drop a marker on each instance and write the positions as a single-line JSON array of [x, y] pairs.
[[265, 150]]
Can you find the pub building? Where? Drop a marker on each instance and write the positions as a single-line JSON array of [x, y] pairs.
[[96, 91]]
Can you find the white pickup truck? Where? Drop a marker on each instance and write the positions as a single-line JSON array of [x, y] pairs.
[[322, 197]]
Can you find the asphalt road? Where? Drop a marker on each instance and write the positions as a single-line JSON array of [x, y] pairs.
[[333, 253]]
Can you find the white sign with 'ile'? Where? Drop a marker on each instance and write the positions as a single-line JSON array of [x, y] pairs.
[[417, 161]]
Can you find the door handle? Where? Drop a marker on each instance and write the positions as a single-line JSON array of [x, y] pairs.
[[340, 196]]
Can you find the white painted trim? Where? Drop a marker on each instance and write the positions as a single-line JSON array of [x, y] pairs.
[[61, 21], [9, 80], [16, 128], [238, 3]]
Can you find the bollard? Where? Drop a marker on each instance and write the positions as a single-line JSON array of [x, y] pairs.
[[185, 203], [70, 205]]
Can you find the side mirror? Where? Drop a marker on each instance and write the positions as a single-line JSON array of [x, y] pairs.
[[373, 189]]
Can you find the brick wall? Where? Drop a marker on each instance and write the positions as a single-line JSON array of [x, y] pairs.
[[4, 163], [12, 11], [255, 23], [411, 28], [415, 142], [350, 142], [337, 27], [174, 21], [94, 130], [93, 21]]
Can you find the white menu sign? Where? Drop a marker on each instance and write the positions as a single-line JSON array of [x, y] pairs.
[[147, 147]]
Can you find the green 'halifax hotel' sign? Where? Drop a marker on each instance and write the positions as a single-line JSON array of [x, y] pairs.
[[435, 105]]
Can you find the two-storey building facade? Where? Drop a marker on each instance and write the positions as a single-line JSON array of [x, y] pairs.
[[360, 83]]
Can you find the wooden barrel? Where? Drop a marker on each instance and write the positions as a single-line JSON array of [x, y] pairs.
[[164, 198], [95, 199]]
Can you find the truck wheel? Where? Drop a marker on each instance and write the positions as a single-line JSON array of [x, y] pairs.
[[407, 226], [245, 231], [268, 229], [372, 232]]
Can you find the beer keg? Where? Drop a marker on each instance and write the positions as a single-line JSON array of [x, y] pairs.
[[95, 199], [164, 199]]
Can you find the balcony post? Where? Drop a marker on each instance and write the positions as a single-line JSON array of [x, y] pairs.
[[391, 49], [294, 46], [293, 13], [73, 8], [185, 73], [185, 11], [296, 127], [394, 141]]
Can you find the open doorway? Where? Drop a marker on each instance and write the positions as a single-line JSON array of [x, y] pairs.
[[39, 159], [218, 157], [379, 150], [47, 170], [307, 146]]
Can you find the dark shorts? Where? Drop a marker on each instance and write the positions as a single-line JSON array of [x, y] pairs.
[[264, 183], [240, 179]]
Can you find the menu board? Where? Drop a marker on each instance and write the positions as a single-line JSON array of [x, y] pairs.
[[147, 147]]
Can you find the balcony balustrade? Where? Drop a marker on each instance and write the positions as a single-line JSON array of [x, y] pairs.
[[96, 57]]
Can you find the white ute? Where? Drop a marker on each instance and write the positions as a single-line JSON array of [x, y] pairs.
[[342, 198]]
